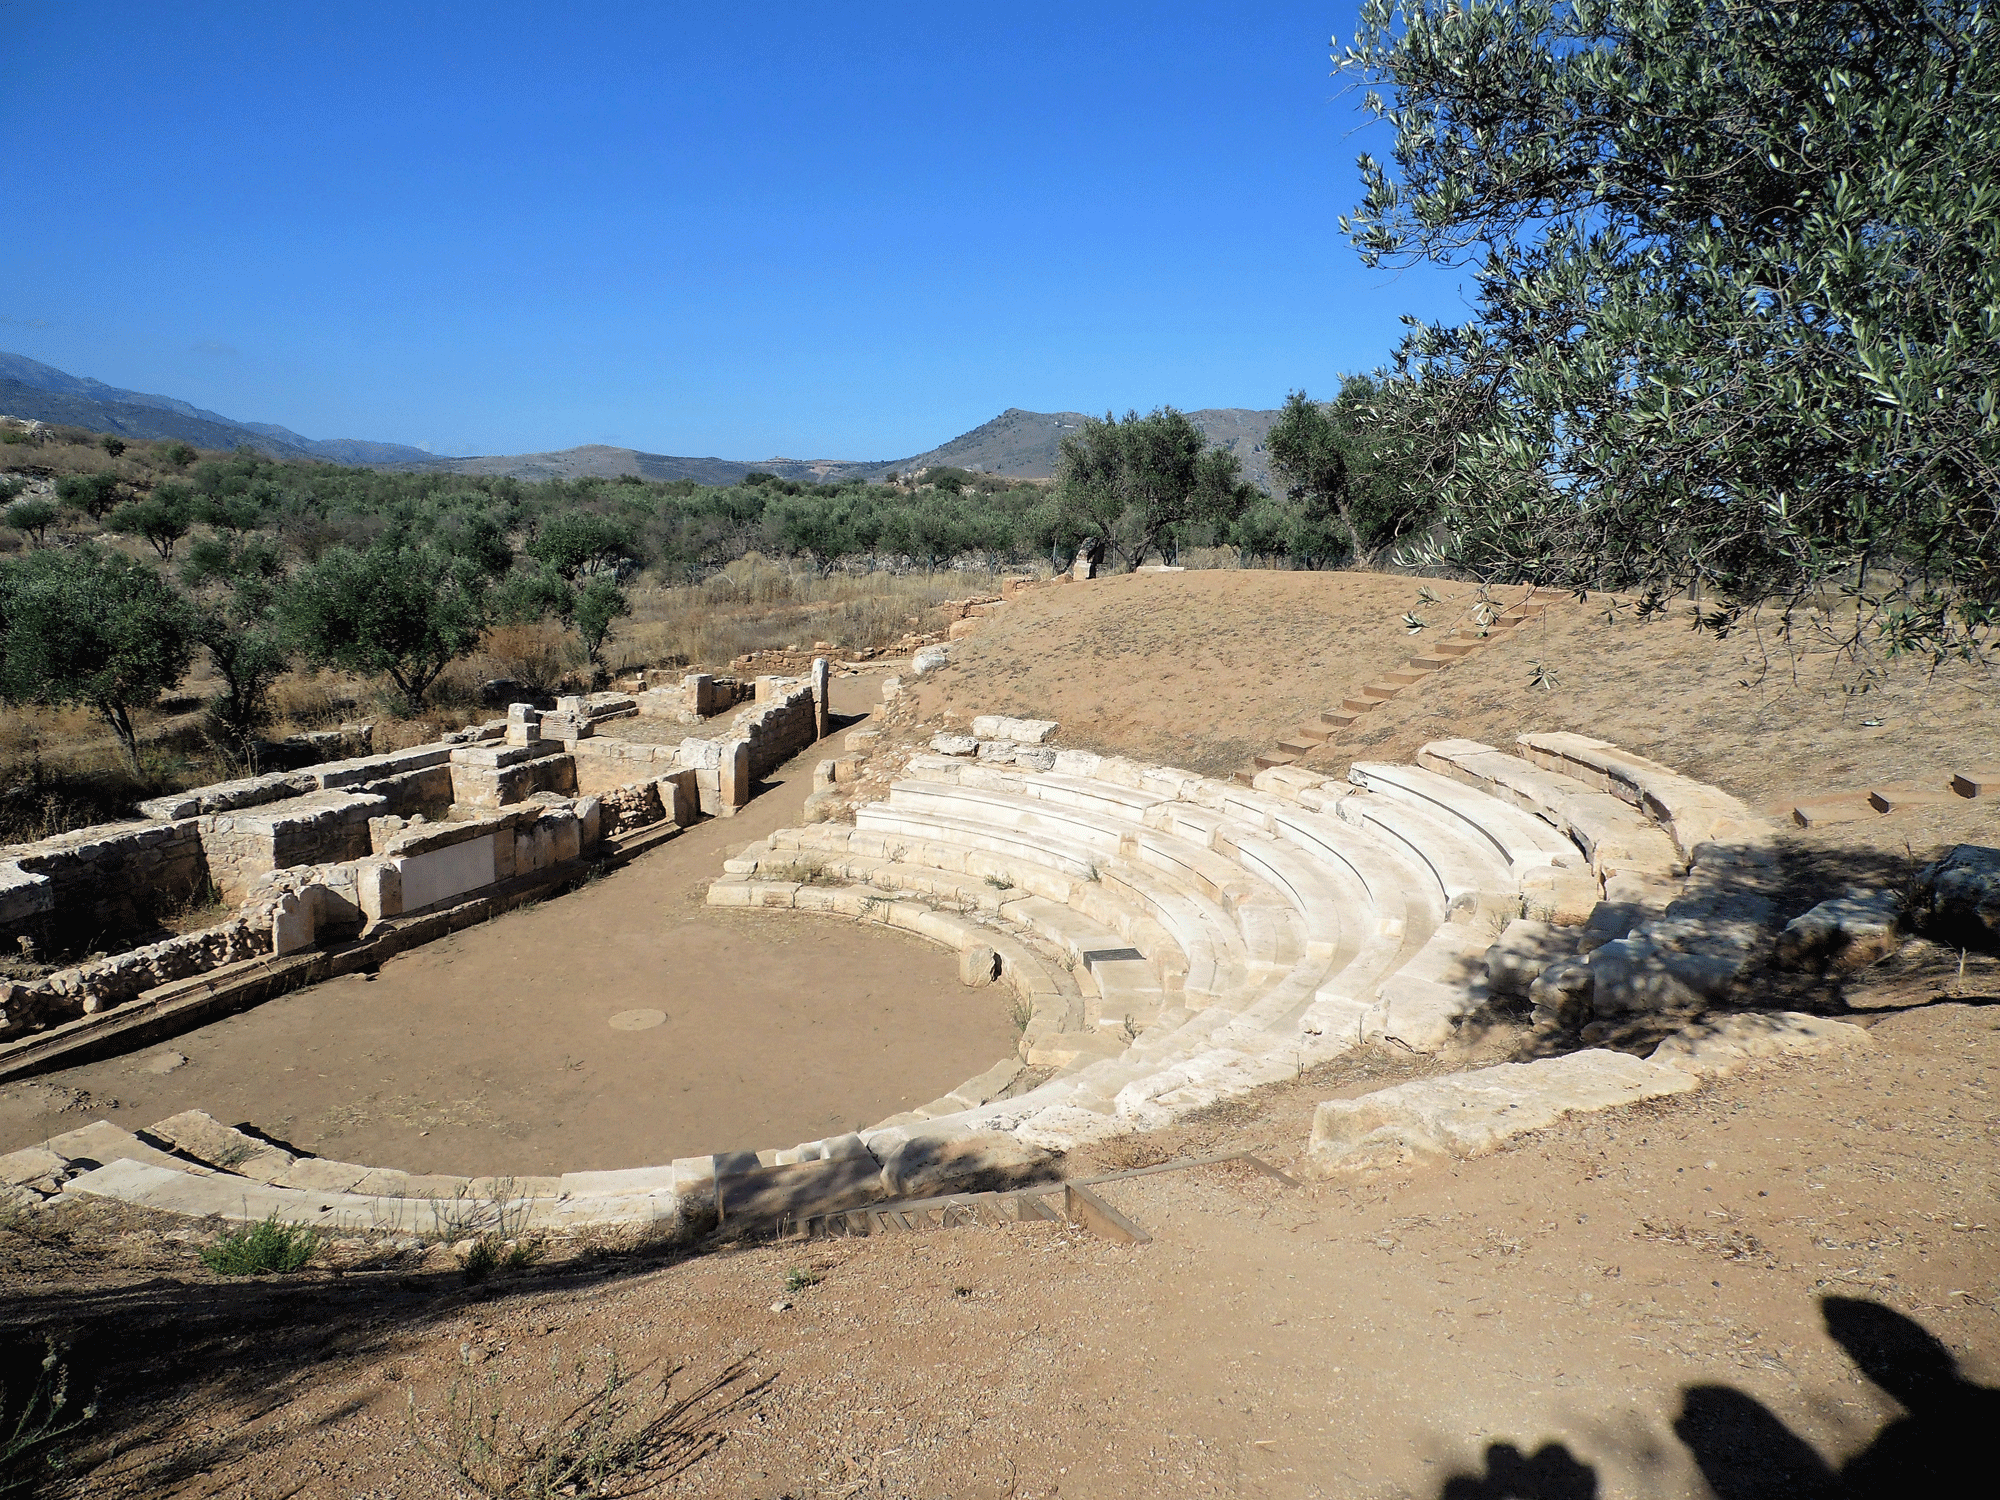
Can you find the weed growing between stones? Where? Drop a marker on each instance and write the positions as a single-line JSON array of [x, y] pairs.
[[576, 1432], [262, 1249], [1020, 1013], [31, 1439], [467, 1215], [804, 871]]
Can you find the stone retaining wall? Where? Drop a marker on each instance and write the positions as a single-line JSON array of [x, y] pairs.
[[92, 886], [786, 724], [93, 987], [110, 878]]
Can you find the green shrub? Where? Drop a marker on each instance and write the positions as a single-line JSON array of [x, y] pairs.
[[262, 1249]]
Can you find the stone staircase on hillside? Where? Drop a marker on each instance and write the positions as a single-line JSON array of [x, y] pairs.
[[1447, 652]]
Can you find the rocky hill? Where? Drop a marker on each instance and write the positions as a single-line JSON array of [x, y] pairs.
[[1017, 443], [29, 388]]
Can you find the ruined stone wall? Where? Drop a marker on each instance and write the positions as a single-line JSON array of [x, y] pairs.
[[781, 728], [603, 765], [498, 775], [322, 828], [89, 988], [93, 883]]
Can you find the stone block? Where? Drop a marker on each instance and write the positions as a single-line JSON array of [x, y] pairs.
[[499, 757], [443, 872], [978, 966], [680, 797], [1904, 794], [1475, 1113], [1961, 895], [1564, 897], [214, 1144], [378, 886], [1721, 1048], [954, 744], [34, 1165], [929, 660], [1020, 731], [1524, 950], [1562, 995], [733, 790], [1631, 976], [928, 1166], [1845, 934], [293, 928]]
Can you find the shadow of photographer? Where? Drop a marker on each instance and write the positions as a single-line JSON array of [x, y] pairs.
[[1943, 1444]]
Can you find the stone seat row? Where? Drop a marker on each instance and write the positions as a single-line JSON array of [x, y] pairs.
[[1407, 848], [1179, 939], [1234, 856]]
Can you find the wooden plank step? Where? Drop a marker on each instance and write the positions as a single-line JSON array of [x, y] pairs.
[[1297, 745], [1406, 676], [1361, 705], [1270, 758], [1431, 661], [1457, 647], [1381, 690], [1337, 718]]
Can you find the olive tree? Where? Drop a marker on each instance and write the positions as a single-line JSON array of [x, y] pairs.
[[404, 610], [1738, 275], [35, 517], [236, 585], [91, 627], [1142, 484], [163, 518]]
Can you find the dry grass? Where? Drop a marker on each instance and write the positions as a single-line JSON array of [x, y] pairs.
[[1201, 669], [62, 769], [756, 603]]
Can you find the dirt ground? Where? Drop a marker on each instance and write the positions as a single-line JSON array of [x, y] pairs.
[[492, 1052], [1200, 670], [1786, 1284]]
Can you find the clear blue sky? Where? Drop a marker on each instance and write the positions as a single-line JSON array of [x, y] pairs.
[[847, 231]]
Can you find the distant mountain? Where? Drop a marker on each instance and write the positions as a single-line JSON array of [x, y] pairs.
[[1018, 444], [1025, 443], [29, 388]]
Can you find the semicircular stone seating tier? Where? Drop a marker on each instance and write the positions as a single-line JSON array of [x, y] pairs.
[[1172, 939]]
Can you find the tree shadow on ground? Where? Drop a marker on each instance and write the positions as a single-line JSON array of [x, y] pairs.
[[1943, 1445], [182, 1372]]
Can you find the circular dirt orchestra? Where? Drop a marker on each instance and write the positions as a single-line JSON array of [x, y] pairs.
[[498, 1049]]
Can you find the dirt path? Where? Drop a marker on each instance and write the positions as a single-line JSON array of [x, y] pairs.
[[491, 1051], [1722, 1294]]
